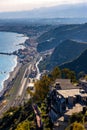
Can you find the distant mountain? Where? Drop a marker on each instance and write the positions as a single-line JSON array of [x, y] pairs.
[[61, 11], [79, 64], [56, 36], [67, 51]]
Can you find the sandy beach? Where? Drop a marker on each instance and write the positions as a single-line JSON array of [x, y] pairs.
[[7, 83]]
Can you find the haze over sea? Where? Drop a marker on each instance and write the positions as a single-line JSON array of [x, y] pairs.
[[9, 42]]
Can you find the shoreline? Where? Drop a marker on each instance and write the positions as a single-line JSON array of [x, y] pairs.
[[7, 76], [10, 77], [6, 83]]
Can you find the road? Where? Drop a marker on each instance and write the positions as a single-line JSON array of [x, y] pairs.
[[18, 98], [38, 71], [22, 89]]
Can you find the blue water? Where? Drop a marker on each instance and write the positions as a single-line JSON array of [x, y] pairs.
[[9, 42]]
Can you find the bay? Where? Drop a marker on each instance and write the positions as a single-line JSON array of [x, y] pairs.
[[9, 42]]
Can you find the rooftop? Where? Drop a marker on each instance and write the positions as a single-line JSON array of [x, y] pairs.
[[78, 108], [30, 84], [69, 92], [65, 83], [83, 80]]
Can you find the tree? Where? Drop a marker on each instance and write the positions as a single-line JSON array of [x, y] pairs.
[[76, 117], [81, 74], [68, 74], [75, 126], [85, 77], [42, 88], [56, 73], [23, 126]]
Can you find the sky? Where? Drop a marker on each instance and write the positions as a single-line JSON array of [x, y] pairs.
[[20, 5]]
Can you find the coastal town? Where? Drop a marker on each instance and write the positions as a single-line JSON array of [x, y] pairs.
[[43, 65], [64, 98], [57, 98], [27, 61]]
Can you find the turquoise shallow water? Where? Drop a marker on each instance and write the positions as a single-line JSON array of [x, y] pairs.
[[9, 42]]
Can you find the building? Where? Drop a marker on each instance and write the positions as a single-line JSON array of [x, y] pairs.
[[64, 96], [76, 109], [30, 86], [64, 84], [83, 84]]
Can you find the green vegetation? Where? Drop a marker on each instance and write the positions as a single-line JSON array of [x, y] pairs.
[[64, 55], [42, 88], [56, 73], [79, 65], [66, 52], [23, 117], [26, 125], [12, 119], [78, 121], [76, 126], [68, 74], [44, 115], [52, 38], [23, 126], [77, 117]]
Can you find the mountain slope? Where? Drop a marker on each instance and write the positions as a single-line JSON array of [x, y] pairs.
[[67, 51], [79, 64], [75, 32]]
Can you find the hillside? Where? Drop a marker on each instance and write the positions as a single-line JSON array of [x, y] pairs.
[[79, 64], [67, 51], [61, 33]]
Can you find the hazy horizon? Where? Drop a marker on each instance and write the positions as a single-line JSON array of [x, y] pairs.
[[25, 5]]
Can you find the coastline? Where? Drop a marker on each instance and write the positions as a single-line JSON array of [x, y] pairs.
[[6, 83], [12, 75]]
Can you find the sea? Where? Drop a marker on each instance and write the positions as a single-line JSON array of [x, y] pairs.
[[9, 42]]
